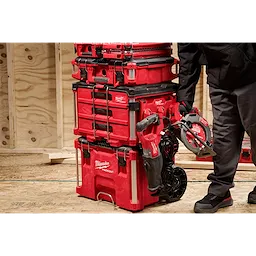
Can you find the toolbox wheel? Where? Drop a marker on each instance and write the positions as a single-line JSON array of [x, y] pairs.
[[175, 181]]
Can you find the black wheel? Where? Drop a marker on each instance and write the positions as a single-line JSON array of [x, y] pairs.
[[175, 184]]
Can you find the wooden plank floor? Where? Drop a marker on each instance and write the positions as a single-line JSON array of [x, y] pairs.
[[29, 184]]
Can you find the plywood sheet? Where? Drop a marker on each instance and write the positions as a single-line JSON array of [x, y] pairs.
[[35, 94]]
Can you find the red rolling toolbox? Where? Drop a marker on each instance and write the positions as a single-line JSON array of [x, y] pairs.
[[111, 113], [123, 50], [118, 72], [116, 175]]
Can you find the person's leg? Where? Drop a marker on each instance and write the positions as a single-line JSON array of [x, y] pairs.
[[228, 134], [246, 101]]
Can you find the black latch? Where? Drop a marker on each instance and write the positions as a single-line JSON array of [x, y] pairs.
[[121, 161], [120, 76], [74, 86], [134, 106], [128, 47], [86, 153], [83, 73], [75, 49], [98, 51]]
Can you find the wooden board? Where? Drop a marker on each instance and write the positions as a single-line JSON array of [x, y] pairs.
[[188, 164], [4, 109], [68, 106], [191, 163]]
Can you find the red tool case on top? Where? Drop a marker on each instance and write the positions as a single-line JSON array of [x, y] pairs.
[[111, 113], [123, 50], [118, 72], [116, 175]]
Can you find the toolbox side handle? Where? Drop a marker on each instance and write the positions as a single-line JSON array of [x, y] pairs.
[[100, 80], [101, 95], [103, 127], [102, 111], [87, 53]]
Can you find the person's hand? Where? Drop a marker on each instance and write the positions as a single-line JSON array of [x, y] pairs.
[[185, 107]]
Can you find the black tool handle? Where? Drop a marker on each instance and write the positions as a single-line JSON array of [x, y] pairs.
[[143, 124]]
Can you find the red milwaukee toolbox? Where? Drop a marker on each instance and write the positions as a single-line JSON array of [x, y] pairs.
[[245, 155], [123, 50], [111, 113], [118, 72], [116, 175]]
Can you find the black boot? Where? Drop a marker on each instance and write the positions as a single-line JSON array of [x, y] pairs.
[[211, 203], [252, 196]]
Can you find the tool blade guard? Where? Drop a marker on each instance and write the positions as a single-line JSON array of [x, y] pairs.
[[196, 135], [193, 130]]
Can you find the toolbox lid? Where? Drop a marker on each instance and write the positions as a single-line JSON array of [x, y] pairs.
[[138, 90], [133, 43], [138, 62]]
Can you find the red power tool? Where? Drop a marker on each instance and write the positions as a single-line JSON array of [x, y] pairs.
[[158, 135], [159, 145], [194, 131]]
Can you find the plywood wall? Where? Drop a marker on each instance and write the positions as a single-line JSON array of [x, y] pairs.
[[28, 116], [68, 110], [36, 97]]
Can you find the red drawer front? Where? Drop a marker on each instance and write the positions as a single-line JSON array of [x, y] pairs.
[[115, 120]]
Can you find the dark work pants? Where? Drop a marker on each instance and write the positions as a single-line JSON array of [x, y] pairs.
[[234, 112]]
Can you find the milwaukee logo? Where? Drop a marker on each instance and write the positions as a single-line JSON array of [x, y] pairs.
[[155, 149], [99, 165], [120, 99], [159, 102]]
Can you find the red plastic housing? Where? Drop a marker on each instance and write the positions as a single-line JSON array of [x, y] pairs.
[[114, 175], [123, 50], [135, 72]]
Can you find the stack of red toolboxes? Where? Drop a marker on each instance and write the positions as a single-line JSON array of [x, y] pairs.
[[119, 84]]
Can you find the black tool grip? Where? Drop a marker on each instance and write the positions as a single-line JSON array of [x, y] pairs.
[[98, 79], [143, 124]]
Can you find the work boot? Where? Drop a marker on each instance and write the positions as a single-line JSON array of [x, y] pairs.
[[211, 203], [252, 196]]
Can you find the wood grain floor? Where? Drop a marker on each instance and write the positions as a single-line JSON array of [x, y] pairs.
[[28, 184]]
